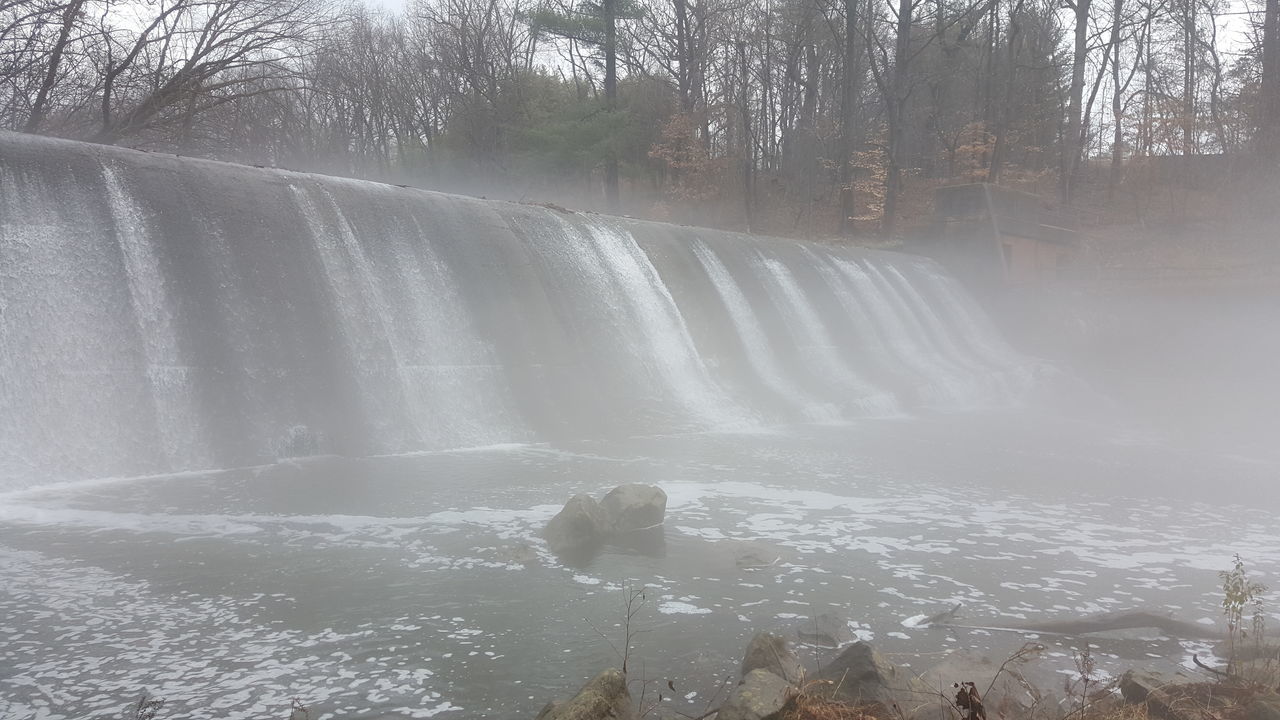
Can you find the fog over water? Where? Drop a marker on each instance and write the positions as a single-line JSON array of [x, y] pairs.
[[267, 435]]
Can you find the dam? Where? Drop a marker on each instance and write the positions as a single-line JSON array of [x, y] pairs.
[[165, 314], [268, 436]]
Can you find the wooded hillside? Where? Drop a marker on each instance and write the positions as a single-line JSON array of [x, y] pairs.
[[795, 117]]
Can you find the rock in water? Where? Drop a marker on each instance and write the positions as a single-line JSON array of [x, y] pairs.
[[634, 506], [579, 525], [826, 629], [604, 697], [946, 617], [861, 676], [761, 694], [771, 653], [752, 555]]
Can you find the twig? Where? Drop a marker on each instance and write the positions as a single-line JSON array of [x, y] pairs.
[[1196, 659]]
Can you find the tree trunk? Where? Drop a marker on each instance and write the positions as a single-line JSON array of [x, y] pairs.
[[1117, 107], [745, 108], [683, 51], [850, 89], [1188, 77], [1000, 149], [1269, 131], [39, 107], [895, 107], [1071, 137], [611, 102]]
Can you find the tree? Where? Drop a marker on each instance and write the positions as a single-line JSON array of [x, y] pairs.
[[1269, 127], [1071, 135], [597, 25]]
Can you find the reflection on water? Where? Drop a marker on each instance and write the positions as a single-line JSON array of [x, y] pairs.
[[417, 585]]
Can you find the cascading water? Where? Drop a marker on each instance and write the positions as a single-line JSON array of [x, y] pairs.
[[759, 350], [660, 336], [169, 377], [160, 314], [817, 344]]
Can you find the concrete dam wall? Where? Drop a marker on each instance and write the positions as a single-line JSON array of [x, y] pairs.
[[160, 314]]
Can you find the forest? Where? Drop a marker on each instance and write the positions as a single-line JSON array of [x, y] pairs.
[[815, 118]]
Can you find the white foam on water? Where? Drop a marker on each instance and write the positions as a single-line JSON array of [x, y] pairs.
[[195, 652]]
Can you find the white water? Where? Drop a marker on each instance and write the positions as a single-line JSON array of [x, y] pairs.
[[818, 348], [658, 335], [169, 374], [164, 314], [758, 348]]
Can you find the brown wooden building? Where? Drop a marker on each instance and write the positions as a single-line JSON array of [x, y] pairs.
[[993, 237]]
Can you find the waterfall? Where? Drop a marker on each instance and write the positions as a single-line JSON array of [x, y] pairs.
[[160, 314], [759, 349], [816, 343], [169, 377]]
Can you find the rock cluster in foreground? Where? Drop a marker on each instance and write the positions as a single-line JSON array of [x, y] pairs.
[[862, 683]]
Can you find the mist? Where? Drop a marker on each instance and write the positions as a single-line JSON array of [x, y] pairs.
[[272, 435], [485, 359]]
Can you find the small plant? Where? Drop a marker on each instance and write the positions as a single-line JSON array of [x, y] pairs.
[[969, 702], [1086, 666], [1239, 593], [298, 711], [146, 708], [634, 600]]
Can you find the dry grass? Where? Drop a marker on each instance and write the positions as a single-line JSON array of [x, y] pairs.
[[806, 706]]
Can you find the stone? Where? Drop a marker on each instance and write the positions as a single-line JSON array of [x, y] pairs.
[[1160, 695], [861, 676], [761, 695], [826, 629], [1015, 689], [578, 526], [634, 506], [946, 617], [604, 697], [1137, 685], [518, 553], [771, 653], [753, 555]]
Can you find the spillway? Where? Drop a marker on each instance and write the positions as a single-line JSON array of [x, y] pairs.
[[162, 314], [190, 331]]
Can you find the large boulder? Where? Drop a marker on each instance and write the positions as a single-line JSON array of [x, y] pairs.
[[580, 525], [634, 506], [771, 653], [604, 697], [761, 695], [861, 676]]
